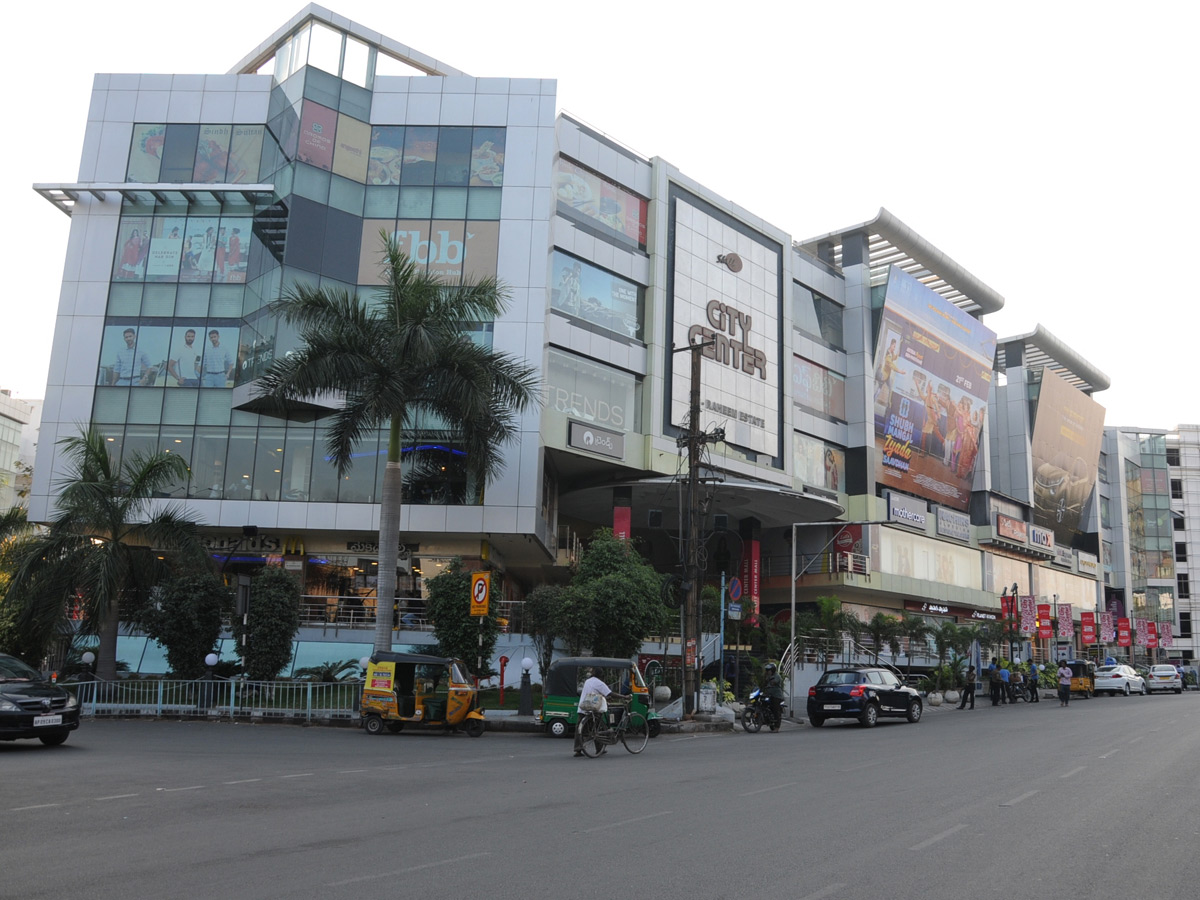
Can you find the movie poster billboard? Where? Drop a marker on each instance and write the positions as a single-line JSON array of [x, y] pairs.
[[1066, 451], [933, 371]]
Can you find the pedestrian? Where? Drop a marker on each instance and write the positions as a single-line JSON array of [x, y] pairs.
[[994, 682], [1033, 683], [1064, 683], [1005, 694], [968, 689]]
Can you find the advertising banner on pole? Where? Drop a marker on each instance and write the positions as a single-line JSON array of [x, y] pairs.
[[1087, 627], [1124, 636], [1066, 626], [1043, 614]]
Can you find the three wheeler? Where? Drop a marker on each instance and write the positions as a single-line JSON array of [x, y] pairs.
[[1083, 677], [414, 689], [560, 691]]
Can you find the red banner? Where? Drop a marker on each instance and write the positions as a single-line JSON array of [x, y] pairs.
[[1043, 614], [1087, 626], [751, 575], [1151, 634], [1124, 637], [622, 517]]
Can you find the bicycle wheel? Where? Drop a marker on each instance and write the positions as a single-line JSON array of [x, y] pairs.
[[636, 732], [588, 729]]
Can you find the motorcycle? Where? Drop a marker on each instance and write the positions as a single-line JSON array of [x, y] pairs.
[[757, 713]]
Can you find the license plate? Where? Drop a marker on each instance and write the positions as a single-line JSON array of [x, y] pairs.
[[833, 706], [39, 721]]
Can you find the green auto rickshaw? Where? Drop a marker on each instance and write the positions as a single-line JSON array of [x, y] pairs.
[[560, 691]]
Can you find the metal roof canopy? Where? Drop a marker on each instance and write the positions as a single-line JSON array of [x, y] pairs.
[[892, 243], [1041, 348], [65, 196]]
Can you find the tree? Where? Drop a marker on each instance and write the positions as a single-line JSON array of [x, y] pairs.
[[330, 671], [460, 634], [109, 543], [271, 625], [882, 628], [915, 630], [403, 360], [945, 638], [831, 621], [185, 617], [538, 618]]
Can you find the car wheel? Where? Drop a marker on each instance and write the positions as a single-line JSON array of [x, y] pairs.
[[869, 716], [1127, 689], [373, 725], [914, 711], [1179, 690], [557, 728], [1145, 690], [53, 740], [816, 721]]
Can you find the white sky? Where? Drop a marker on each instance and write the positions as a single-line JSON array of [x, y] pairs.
[[1046, 147]]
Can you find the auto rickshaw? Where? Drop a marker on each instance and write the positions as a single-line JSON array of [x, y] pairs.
[[414, 689], [1083, 677], [560, 691]]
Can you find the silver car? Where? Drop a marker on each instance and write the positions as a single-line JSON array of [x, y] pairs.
[[1164, 678], [1119, 680]]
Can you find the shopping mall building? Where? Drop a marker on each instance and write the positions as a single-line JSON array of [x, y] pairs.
[[848, 376]]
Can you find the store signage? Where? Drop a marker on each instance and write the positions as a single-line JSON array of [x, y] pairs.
[[931, 608], [1063, 556], [1088, 564], [953, 524], [596, 440], [1041, 537], [906, 510], [1010, 529]]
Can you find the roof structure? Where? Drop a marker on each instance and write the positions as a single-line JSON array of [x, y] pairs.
[[892, 243], [1041, 348]]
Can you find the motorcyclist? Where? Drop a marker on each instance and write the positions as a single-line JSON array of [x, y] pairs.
[[773, 689]]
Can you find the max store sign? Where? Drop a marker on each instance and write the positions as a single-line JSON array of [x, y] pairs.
[[730, 333]]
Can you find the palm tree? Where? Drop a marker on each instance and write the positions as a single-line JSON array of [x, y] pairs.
[[832, 621], [108, 541], [402, 360], [915, 629], [882, 629]]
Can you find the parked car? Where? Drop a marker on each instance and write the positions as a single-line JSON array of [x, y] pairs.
[[1164, 678], [1119, 680], [864, 693], [32, 707]]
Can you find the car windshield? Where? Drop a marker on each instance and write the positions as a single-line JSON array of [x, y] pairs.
[[1163, 670], [12, 669]]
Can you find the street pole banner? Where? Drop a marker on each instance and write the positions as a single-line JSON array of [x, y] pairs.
[[1043, 614], [1124, 637], [1166, 635], [1152, 634], [1106, 628], [1028, 614], [1139, 628], [1087, 627], [1066, 626]]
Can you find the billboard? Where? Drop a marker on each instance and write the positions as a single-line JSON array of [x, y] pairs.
[[933, 371], [1066, 451]]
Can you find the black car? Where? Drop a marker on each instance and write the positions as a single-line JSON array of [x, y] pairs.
[[31, 707], [864, 693]]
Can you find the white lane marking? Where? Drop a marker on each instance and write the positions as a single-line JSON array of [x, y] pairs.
[[768, 789], [428, 865], [626, 822], [193, 787], [1138, 738], [1110, 753], [243, 781], [39, 806], [1074, 771], [686, 737], [298, 775], [1015, 800], [352, 771], [116, 797], [823, 892], [939, 837]]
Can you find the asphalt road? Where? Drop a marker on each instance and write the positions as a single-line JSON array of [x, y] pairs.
[[1099, 799]]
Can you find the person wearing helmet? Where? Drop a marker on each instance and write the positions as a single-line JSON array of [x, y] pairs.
[[773, 688]]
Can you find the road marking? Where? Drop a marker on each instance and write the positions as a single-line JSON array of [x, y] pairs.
[[686, 737], [626, 822], [298, 775], [429, 865], [116, 797], [823, 892], [352, 771], [939, 837], [1074, 771], [39, 806], [243, 781], [766, 790], [1138, 738], [1016, 800], [1110, 753], [193, 787]]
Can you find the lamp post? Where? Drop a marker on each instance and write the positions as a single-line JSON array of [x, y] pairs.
[[88, 658], [206, 695], [526, 705]]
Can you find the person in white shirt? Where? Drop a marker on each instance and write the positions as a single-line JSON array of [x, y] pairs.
[[1064, 683], [591, 686]]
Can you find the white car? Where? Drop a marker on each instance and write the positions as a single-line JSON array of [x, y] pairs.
[[1119, 680], [1164, 678]]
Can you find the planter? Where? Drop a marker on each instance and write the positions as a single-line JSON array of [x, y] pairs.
[[934, 698], [951, 696]]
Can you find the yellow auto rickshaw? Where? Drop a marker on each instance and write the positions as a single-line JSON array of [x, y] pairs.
[[415, 689], [1083, 677]]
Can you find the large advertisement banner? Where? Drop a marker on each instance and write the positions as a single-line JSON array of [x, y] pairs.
[[1087, 627], [933, 371], [1066, 451], [1124, 637], [1066, 625], [1043, 614]]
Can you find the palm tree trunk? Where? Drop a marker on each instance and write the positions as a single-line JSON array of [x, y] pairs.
[[389, 541], [106, 653]]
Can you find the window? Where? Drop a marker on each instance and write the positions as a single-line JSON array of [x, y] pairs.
[[1180, 552], [583, 291], [1185, 624], [817, 316], [1176, 489], [1185, 588], [1172, 456]]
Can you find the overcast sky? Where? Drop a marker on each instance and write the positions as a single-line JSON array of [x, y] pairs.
[[1046, 147]]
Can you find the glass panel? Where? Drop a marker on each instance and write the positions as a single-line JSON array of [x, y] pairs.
[[454, 156], [354, 66], [358, 484], [483, 203], [166, 248], [229, 259], [179, 406], [268, 464], [213, 408], [192, 301], [245, 152], [487, 157], [593, 295], [387, 152], [311, 183], [111, 405], [586, 194], [218, 358], [317, 127], [324, 482], [199, 249], [416, 202], [159, 300], [381, 202], [347, 196], [450, 203], [208, 464], [325, 48], [176, 441], [352, 149], [124, 299], [145, 406], [299, 47], [420, 155], [133, 244], [179, 154], [145, 156], [355, 101], [122, 361], [226, 302], [140, 440], [183, 365], [297, 462], [590, 392], [212, 154], [239, 464]]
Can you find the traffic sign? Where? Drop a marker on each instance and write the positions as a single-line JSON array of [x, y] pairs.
[[481, 585], [735, 611], [735, 589]]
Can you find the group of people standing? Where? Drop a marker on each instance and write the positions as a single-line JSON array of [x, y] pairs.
[[1004, 683]]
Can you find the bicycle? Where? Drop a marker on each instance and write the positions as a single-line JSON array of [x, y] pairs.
[[595, 733]]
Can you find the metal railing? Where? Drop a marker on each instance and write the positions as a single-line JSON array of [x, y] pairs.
[[335, 613], [292, 701]]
